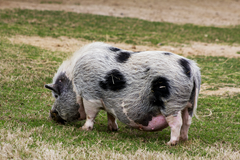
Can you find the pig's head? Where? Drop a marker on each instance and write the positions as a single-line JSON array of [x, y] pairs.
[[66, 107]]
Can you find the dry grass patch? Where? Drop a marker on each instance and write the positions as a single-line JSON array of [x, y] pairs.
[[20, 144]]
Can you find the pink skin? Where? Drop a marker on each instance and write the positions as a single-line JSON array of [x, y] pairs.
[[157, 123]]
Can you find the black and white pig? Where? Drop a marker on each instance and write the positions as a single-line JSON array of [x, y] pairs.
[[147, 90]]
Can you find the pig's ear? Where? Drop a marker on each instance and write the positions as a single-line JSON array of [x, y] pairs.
[[52, 87]]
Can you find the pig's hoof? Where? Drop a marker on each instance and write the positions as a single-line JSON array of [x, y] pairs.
[[112, 128], [86, 128], [115, 129], [172, 143], [183, 138]]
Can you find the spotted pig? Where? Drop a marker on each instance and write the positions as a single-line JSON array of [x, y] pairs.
[[147, 90]]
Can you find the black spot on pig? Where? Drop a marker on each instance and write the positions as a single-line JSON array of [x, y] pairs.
[[122, 57], [103, 85], [137, 52], [114, 81], [186, 66], [114, 49], [160, 89], [191, 100], [167, 53], [62, 83], [145, 119]]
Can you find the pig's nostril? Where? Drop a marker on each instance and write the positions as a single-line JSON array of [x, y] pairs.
[[54, 111], [55, 116]]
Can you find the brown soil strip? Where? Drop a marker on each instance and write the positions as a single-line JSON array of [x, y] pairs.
[[71, 45], [204, 12], [221, 91]]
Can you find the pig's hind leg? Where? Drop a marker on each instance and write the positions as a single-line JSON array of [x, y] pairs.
[[112, 124], [187, 119], [175, 123], [179, 125]]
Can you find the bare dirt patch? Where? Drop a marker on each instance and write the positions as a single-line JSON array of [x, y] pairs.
[[204, 12], [71, 45], [220, 92]]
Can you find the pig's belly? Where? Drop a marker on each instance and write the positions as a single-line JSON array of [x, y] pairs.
[[156, 124]]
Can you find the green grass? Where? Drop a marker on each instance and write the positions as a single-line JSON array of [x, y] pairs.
[[51, 2], [220, 71], [25, 104], [92, 27]]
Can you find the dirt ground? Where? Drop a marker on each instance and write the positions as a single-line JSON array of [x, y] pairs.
[[205, 12]]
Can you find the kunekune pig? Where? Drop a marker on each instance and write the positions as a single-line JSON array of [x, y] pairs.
[[147, 90]]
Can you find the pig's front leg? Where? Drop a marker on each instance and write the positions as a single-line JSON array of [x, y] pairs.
[[175, 123], [81, 109], [112, 124], [91, 109]]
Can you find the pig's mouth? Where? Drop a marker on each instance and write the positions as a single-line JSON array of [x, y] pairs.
[[55, 116]]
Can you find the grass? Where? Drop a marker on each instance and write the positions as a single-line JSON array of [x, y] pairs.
[[26, 133], [219, 71], [100, 28], [51, 2]]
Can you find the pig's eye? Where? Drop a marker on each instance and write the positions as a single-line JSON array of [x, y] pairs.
[[56, 96]]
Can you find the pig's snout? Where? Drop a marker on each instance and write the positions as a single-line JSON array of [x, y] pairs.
[[55, 116]]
